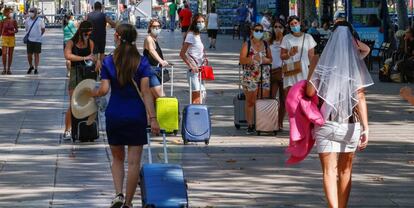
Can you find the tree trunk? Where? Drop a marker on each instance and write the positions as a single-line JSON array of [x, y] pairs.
[[310, 11], [402, 14]]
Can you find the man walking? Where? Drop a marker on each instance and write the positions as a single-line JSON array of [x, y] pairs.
[[35, 28], [172, 11], [98, 36], [185, 18]]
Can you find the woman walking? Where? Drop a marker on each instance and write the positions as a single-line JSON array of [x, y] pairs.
[[253, 57], [212, 27], [127, 73], [69, 30], [339, 80], [297, 49], [8, 28], [78, 51], [153, 52], [193, 56], [276, 76]]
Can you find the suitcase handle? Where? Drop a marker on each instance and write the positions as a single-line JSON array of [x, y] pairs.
[[164, 141], [172, 80]]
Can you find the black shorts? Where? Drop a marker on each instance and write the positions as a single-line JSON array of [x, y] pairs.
[[184, 28], [212, 33], [34, 47], [99, 46]]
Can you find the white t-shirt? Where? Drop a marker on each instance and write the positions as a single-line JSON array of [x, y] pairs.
[[196, 48], [212, 21], [36, 32], [277, 61], [287, 43]]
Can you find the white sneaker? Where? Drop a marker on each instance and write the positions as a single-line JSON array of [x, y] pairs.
[[118, 201], [67, 135]]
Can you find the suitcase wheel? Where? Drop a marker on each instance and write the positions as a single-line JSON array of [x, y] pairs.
[[274, 133], [237, 126], [258, 133], [185, 142], [206, 142], [175, 132]]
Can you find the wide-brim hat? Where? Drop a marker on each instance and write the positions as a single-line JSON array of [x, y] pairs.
[[82, 103]]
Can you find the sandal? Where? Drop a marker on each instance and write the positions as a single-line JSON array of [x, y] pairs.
[[9, 72], [3, 72]]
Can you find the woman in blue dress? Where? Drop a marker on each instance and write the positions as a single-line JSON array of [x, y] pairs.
[[126, 114]]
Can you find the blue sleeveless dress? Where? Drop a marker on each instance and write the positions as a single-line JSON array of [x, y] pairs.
[[126, 117]]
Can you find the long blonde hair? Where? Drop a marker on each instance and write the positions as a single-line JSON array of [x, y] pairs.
[[126, 55]]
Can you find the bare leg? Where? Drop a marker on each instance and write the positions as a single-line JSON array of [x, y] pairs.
[[250, 104], [10, 58], [118, 170], [345, 177], [134, 163], [196, 98], [156, 92], [68, 116], [214, 42], [37, 60], [282, 110], [329, 163], [4, 58], [30, 59]]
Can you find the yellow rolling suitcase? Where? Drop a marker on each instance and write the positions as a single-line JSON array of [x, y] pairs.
[[167, 108]]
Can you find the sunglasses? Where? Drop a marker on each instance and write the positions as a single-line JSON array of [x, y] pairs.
[[281, 27], [200, 21], [257, 30], [156, 26]]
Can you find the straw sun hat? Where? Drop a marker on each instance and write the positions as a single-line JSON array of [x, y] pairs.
[[83, 104]]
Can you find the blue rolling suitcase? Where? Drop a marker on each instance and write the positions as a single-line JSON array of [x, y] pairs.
[[162, 184], [196, 123]]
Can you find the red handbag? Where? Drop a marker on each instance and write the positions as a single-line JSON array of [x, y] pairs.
[[207, 72]]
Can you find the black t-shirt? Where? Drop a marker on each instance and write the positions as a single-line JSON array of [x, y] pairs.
[[151, 59], [98, 20]]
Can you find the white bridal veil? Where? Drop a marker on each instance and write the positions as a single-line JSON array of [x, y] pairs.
[[339, 74]]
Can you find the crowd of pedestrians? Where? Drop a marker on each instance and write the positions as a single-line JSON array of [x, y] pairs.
[[276, 55]]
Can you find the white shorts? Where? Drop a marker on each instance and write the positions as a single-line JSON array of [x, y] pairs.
[[337, 137]]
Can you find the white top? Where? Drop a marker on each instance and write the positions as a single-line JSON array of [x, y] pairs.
[[212, 21], [277, 61], [196, 48], [36, 32], [287, 43]]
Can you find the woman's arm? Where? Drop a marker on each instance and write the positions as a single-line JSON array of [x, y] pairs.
[[244, 58], [70, 56], [268, 59], [185, 58], [149, 44], [311, 54], [310, 89], [149, 105], [103, 88], [363, 117], [16, 28], [363, 49]]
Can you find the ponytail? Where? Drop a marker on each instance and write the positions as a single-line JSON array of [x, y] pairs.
[[126, 55]]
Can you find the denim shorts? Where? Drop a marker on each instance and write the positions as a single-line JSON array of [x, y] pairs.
[[195, 81], [153, 80]]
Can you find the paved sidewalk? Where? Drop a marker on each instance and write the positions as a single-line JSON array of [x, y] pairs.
[[39, 169]]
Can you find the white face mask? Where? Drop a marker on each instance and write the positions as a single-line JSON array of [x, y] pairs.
[[155, 31], [31, 14]]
